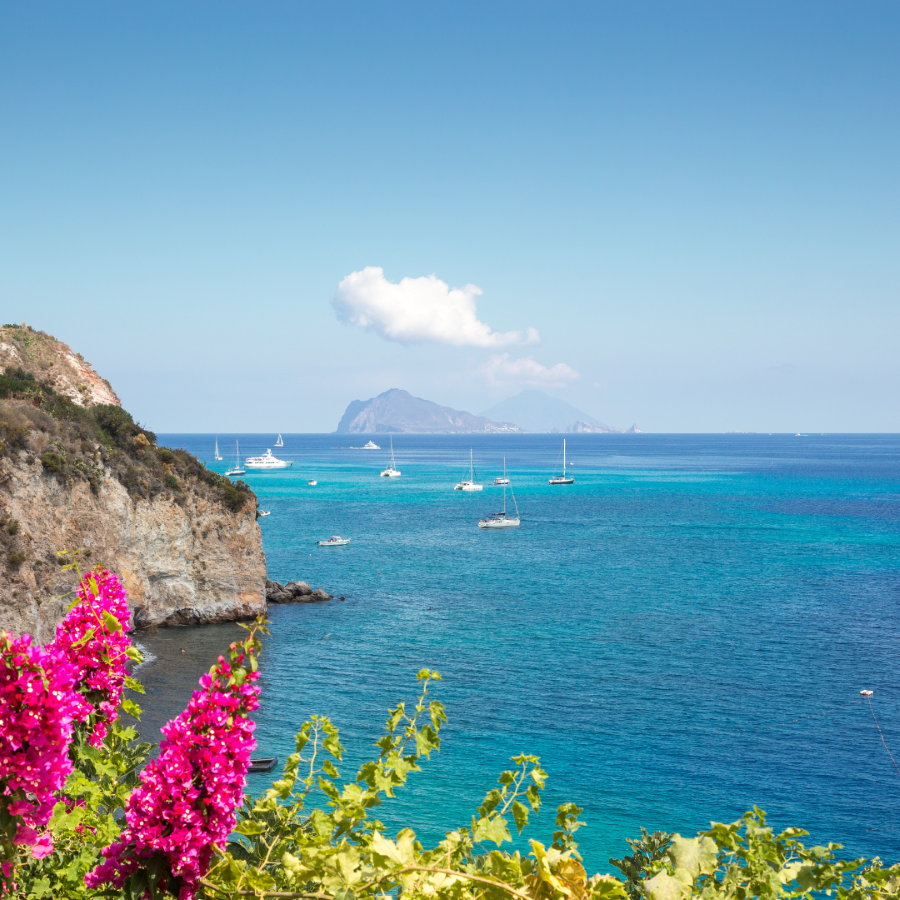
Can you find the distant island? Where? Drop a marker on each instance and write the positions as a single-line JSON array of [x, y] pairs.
[[397, 411]]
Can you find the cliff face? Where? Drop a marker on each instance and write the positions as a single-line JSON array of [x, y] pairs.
[[77, 472]]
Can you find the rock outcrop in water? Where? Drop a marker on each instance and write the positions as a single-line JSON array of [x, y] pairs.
[[295, 592], [77, 472]]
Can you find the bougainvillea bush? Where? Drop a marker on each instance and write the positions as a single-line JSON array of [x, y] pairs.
[[84, 815]]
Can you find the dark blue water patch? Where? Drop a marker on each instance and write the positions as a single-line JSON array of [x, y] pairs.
[[652, 631]]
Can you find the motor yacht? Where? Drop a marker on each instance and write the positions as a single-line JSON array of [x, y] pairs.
[[266, 461], [334, 541], [371, 446]]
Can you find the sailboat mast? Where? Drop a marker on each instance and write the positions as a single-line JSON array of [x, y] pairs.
[[564, 456]]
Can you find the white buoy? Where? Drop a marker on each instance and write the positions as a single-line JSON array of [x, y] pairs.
[[866, 693]]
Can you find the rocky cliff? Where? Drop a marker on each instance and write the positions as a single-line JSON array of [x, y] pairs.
[[77, 472]]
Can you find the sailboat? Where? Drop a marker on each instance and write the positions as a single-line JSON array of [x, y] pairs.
[[237, 470], [279, 442], [391, 471], [564, 478], [504, 479], [216, 456], [501, 519], [469, 484]]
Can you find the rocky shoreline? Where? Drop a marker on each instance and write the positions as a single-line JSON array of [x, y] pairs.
[[295, 592]]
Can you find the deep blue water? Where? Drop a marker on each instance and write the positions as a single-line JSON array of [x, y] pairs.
[[685, 587]]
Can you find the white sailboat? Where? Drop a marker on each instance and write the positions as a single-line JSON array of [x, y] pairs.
[[391, 471], [237, 470], [469, 484], [564, 478], [279, 442], [501, 519], [504, 479], [216, 456]]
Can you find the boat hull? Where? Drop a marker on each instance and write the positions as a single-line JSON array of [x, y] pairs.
[[499, 523], [268, 466], [333, 543], [562, 481]]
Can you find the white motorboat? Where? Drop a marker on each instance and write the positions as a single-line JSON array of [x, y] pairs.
[[564, 478], [279, 442], [469, 484], [262, 514], [371, 446], [334, 541], [312, 483], [216, 456], [501, 519], [391, 471], [236, 470], [503, 479], [266, 461]]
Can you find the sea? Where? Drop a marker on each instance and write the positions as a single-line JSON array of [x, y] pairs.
[[680, 635]]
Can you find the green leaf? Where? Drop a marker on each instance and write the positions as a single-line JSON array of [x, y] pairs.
[[493, 829], [111, 622], [694, 856], [250, 828], [520, 814], [329, 768], [534, 797], [130, 707], [133, 685], [664, 886]]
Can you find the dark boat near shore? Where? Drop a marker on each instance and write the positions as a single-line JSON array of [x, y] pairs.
[[263, 764]]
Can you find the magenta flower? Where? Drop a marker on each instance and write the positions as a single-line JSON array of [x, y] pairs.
[[188, 795], [93, 638], [37, 707]]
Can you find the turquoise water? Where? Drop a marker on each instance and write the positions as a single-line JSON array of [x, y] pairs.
[[685, 587]]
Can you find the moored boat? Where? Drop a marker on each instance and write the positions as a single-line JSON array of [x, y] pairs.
[[564, 478], [469, 484], [391, 471], [266, 461], [236, 470], [334, 541]]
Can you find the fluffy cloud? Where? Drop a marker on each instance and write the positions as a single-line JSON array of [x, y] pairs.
[[419, 309], [527, 370]]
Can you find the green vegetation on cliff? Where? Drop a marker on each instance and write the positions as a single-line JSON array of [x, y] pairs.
[[76, 441]]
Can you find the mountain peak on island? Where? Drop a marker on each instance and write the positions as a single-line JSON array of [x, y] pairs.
[[398, 411], [533, 410]]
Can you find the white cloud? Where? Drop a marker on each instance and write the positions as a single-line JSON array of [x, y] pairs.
[[419, 309], [527, 370]]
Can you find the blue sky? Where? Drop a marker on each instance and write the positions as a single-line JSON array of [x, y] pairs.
[[695, 205]]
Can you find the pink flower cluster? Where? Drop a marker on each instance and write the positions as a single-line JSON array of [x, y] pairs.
[[98, 647], [37, 707], [188, 795]]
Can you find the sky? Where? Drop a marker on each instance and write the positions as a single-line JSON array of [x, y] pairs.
[[685, 216]]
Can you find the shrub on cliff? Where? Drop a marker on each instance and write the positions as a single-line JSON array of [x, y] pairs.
[[85, 440], [78, 821]]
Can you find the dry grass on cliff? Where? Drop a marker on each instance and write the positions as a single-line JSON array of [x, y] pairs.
[[78, 443]]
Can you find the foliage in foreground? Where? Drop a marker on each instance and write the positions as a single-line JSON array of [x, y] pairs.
[[175, 827]]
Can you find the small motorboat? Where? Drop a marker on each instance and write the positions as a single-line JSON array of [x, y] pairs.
[[312, 483], [334, 541], [504, 478], [262, 764], [263, 512]]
